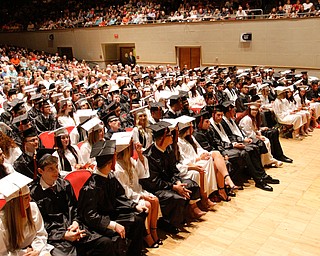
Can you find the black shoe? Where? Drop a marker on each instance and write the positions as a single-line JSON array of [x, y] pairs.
[[166, 226], [285, 159], [264, 186], [268, 179]]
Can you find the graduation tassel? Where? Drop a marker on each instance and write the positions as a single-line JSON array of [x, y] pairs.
[[22, 210], [35, 169], [200, 123]]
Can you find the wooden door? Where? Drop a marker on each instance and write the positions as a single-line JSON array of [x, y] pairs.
[[189, 56]]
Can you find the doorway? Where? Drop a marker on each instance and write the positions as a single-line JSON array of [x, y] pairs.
[[115, 53], [189, 57], [66, 51]]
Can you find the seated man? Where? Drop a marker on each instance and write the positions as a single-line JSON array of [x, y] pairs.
[[103, 206], [58, 206], [257, 172], [175, 194], [45, 121], [26, 164]]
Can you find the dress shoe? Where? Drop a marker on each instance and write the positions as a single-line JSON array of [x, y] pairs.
[[268, 179], [264, 186], [285, 159], [168, 227]]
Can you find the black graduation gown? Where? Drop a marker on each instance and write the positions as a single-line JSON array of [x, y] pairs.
[[240, 102], [25, 165], [163, 175], [43, 124], [221, 96], [58, 207], [169, 114], [33, 113], [101, 200]]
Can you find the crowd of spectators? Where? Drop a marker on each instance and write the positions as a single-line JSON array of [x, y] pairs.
[[74, 14]]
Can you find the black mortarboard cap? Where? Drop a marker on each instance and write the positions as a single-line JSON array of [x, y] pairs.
[[22, 118], [202, 115], [159, 128], [255, 98], [31, 132], [44, 152], [101, 150], [156, 105], [16, 105], [218, 107], [36, 97], [226, 105]]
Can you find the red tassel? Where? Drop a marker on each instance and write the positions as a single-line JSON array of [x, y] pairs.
[[22, 210], [35, 169]]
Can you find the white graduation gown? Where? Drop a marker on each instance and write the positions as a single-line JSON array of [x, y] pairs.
[[249, 129], [187, 156], [37, 238]]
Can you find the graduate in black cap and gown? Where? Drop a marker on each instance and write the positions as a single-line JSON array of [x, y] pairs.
[[103, 206], [58, 206], [176, 195]]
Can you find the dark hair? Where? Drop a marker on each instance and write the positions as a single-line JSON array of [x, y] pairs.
[[46, 160], [61, 151], [256, 120], [188, 138], [291, 98]]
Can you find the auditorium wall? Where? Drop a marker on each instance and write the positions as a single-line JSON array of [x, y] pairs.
[[277, 43]]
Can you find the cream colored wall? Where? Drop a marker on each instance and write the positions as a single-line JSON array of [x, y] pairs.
[[276, 43]]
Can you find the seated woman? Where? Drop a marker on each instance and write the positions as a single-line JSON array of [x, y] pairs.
[[65, 119], [305, 115], [286, 116], [21, 226], [195, 162], [69, 156], [250, 124], [141, 133], [303, 104], [95, 129], [128, 171]]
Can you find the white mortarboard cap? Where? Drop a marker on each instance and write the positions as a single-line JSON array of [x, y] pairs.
[[114, 89], [158, 82], [173, 122], [29, 88], [263, 86], [298, 82], [60, 131], [139, 110], [64, 100], [298, 75], [14, 185], [67, 87], [280, 89], [85, 114], [184, 121], [123, 140], [285, 72], [57, 95], [192, 83], [164, 94], [82, 102], [227, 80], [93, 125]]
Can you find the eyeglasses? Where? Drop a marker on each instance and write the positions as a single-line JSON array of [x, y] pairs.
[[32, 140]]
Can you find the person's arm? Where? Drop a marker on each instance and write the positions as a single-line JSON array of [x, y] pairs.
[[39, 242]]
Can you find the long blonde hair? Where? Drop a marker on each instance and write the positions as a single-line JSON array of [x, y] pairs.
[[124, 160], [15, 224]]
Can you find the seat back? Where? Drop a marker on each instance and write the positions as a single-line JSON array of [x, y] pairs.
[[47, 139], [77, 180]]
